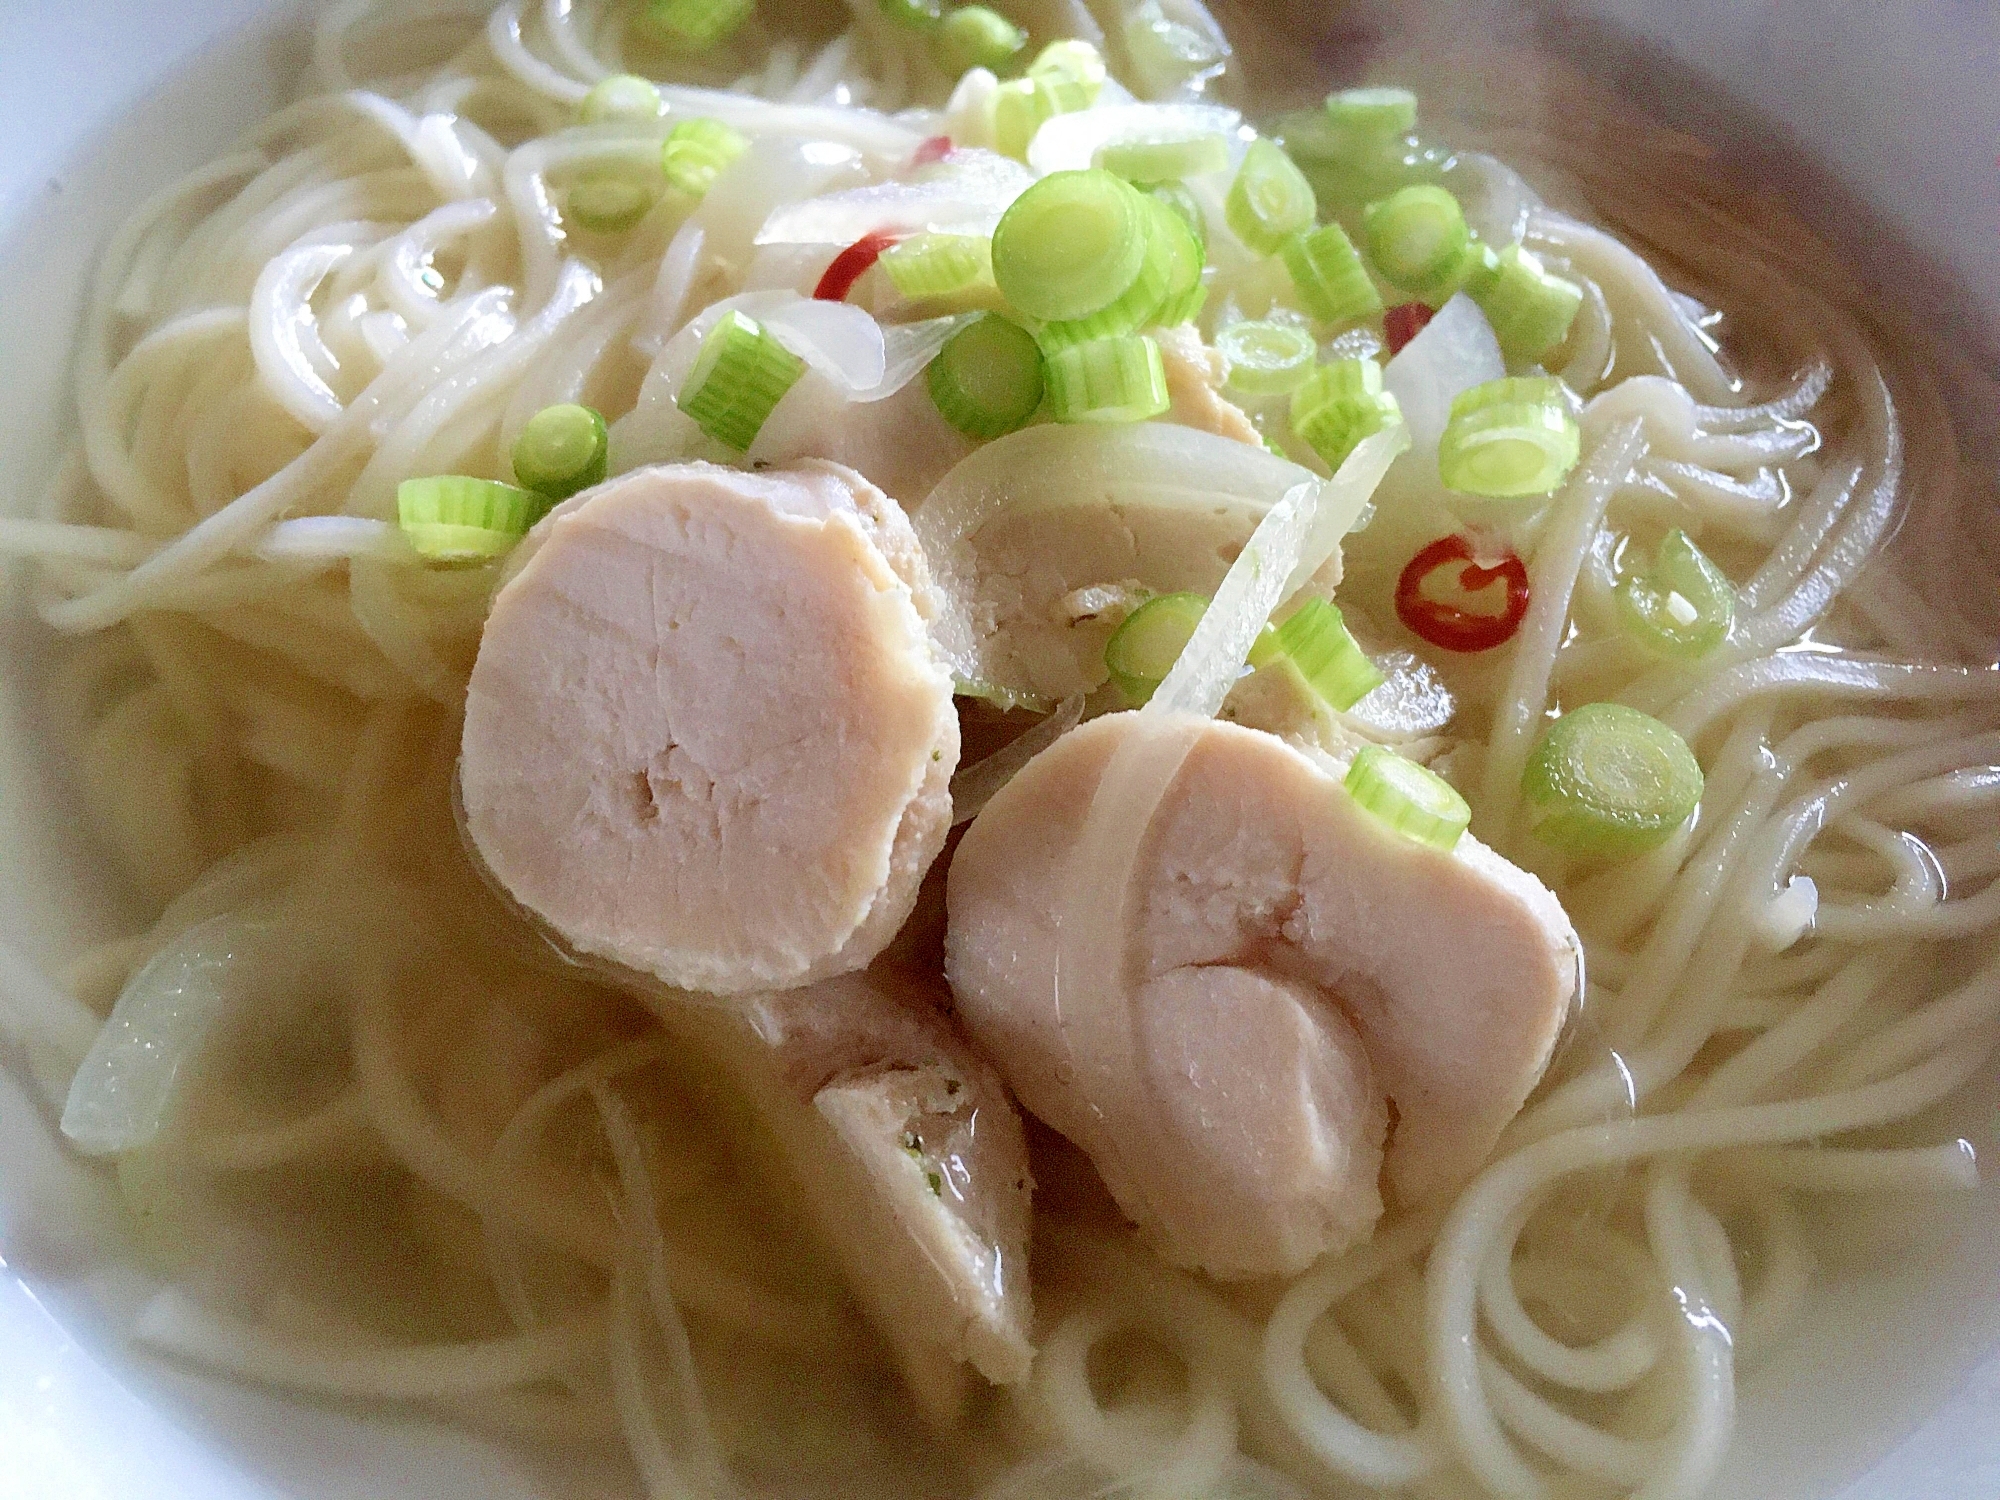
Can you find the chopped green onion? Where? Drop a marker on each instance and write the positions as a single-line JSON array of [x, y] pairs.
[[1168, 275], [987, 380], [1167, 291], [1417, 237], [1184, 308], [450, 518], [1176, 196], [622, 98], [563, 449], [1164, 160], [1412, 799], [918, 15], [1184, 304], [975, 37], [698, 23], [696, 152], [609, 202], [1108, 380], [1267, 358], [1683, 605], [1019, 109], [1351, 159], [1530, 308], [1071, 73], [1509, 438], [1145, 647], [936, 265], [1270, 200], [1477, 265], [1331, 280], [741, 373], [1065, 78], [1327, 656], [1163, 47], [1607, 779], [1071, 245], [1339, 404], [1188, 256], [1373, 114]]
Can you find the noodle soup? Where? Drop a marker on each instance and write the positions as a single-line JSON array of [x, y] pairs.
[[404, 1074]]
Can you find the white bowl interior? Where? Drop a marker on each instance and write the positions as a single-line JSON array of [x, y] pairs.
[[1902, 1314]]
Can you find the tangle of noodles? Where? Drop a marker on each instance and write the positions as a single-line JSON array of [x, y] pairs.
[[432, 1163]]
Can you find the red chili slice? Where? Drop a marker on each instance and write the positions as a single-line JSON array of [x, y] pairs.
[[1446, 625], [851, 264], [935, 149], [1404, 322]]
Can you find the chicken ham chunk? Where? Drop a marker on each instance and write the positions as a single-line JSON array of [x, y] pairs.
[[1299, 976], [911, 1159], [707, 736]]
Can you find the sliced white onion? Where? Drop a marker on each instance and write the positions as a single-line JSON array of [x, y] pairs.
[[838, 339], [840, 342], [1412, 699], [772, 173], [968, 115], [794, 268], [1072, 141], [977, 785], [1454, 352], [966, 193], [675, 283], [1188, 74], [908, 349], [124, 1088], [1048, 467], [1291, 543], [1213, 658]]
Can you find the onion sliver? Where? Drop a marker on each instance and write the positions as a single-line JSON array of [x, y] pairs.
[[964, 194], [125, 1087], [1455, 351], [1291, 543]]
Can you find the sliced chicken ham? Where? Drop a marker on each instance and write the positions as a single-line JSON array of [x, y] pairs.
[[910, 1157], [1298, 976], [707, 736]]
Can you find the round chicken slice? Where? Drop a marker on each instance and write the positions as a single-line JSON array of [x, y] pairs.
[[1293, 966], [707, 736]]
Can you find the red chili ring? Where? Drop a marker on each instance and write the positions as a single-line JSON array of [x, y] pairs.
[[852, 264], [1404, 322], [1445, 625]]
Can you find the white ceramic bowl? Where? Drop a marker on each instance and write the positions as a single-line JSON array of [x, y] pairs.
[[1898, 1379]]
